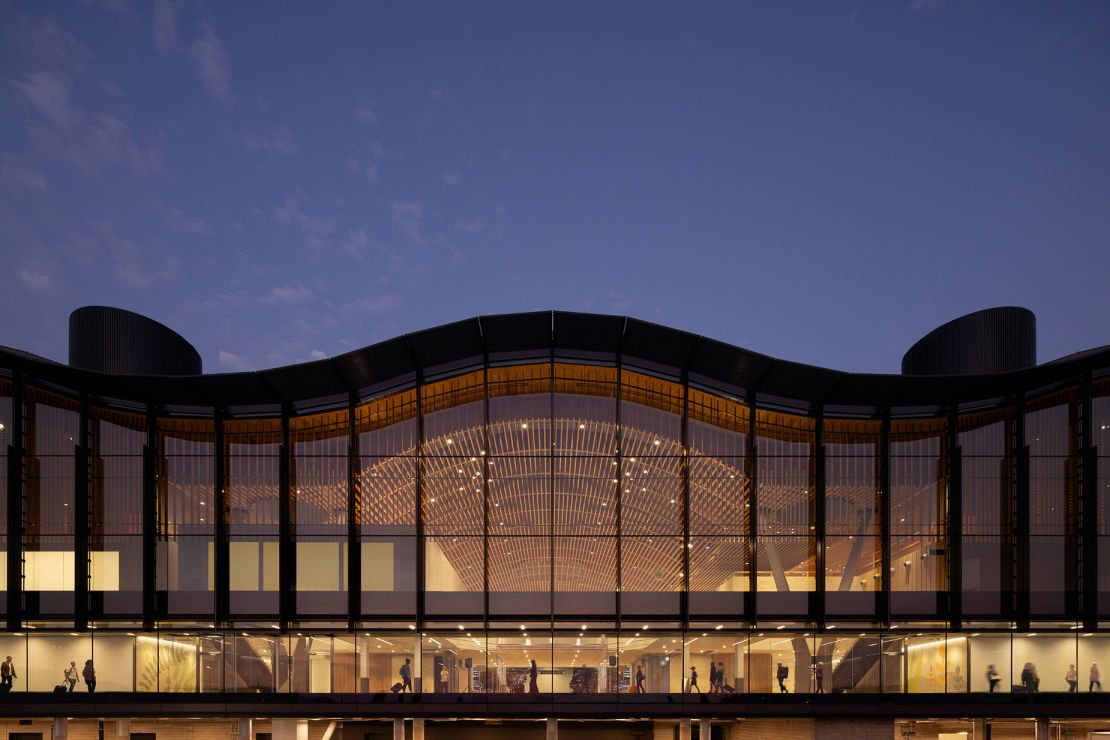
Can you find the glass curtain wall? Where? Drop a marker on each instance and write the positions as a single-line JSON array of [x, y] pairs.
[[986, 489], [786, 546], [1100, 429], [116, 512], [853, 516], [6, 439], [385, 503], [585, 495], [186, 487], [720, 501], [1051, 427], [452, 503], [918, 517], [318, 487], [251, 457], [518, 470], [51, 436], [652, 498]]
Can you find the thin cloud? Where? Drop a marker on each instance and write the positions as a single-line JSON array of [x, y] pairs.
[[473, 226], [451, 179], [181, 221], [90, 141], [279, 141], [364, 114], [164, 27], [287, 295], [356, 243], [20, 175], [407, 216], [235, 361], [374, 305], [367, 166], [211, 63]]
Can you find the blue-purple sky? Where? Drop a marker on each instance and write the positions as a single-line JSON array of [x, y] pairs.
[[823, 182]]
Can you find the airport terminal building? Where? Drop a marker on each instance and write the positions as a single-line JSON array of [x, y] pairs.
[[554, 524]]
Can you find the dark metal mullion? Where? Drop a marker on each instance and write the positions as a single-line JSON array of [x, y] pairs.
[[81, 493], [150, 519], [955, 520], [752, 464], [222, 575], [883, 607], [16, 495], [684, 461], [420, 567], [354, 514], [287, 546], [618, 457], [820, 520], [1021, 516], [551, 489], [486, 503], [1089, 511]]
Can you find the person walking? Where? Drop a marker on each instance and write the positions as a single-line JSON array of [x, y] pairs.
[[70, 676], [819, 674], [992, 677], [781, 674], [7, 674], [693, 681], [533, 673], [406, 677], [1029, 678], [712, 677], [1096, 678], [444, 676], [89, 674], [639, 678], [1072, 677]]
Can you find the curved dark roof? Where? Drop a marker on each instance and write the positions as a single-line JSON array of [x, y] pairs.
[[990, 341], [571, 336]]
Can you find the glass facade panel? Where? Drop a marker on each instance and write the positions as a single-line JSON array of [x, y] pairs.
[[1042, 663], [1051, 427], [318, 489], [454, 577], [116, 510], [252, 451], [782, 663], [989, 663], [453, 663], [585, 410], [1100, 431], [186, 485], [918, 515], [988, 511], [651, 416], [786, 546], [650, 663], [651, 576], [51, 435]]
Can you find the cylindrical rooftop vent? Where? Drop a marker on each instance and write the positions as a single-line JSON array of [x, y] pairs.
[[112, 340], [994, 340]]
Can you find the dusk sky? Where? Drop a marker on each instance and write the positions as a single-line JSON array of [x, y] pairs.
[[823, 182]]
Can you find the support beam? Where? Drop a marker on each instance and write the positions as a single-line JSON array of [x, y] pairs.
[[705, 729], [354, 515], [955, 520], [287, 517], [16, 495], [820, 519], [552, 729], [60, 728], [684, 730], [398, 729]]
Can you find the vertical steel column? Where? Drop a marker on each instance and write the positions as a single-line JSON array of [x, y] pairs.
[[684, 462], [618, 457], [222, 574], [1021, 516], [751, 462], [150, 519], [820, 520], [420, 567], [287, 547], [486, 505], [81, 493], [1088, 492], [16, 495], [354, 515], [883, 607], [955, 526], [551, 491]]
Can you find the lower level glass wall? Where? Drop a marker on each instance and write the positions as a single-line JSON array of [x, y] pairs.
[[541, 662]]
